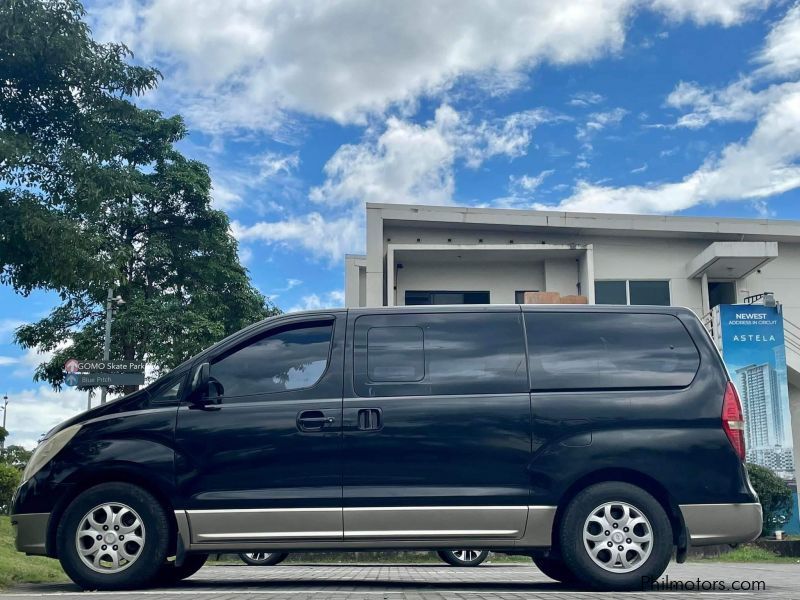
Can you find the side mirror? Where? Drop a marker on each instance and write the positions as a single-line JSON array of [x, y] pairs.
[[205, 389]]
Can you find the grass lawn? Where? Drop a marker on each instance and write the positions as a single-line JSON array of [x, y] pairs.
[[749, 553], [18, 568]]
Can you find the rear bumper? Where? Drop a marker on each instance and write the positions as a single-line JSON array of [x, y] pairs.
[[30, 532], [709, 524]]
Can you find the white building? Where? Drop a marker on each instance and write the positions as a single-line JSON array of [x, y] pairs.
[[450, 255]]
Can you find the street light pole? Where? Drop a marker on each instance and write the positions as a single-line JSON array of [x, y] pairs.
[[107, 340], [5, 412], [110, 301]]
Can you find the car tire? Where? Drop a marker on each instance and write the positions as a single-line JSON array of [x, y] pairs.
[[463, 558], [631, 521], [263, 559], [555, 568], [170, 574], [113, 536]]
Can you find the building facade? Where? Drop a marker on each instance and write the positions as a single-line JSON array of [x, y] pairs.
[[453, 255]]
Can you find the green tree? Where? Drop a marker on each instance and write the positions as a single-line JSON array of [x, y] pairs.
[[98, 197], [9, 480], [16, 456], [59, 94], [775, 496]]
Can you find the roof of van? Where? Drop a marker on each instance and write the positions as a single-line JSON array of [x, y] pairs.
[[428, 308]]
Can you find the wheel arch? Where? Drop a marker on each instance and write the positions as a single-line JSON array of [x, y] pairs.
[[110, 474], [632, 477]]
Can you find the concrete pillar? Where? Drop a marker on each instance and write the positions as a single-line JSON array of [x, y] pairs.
[[376, 294]]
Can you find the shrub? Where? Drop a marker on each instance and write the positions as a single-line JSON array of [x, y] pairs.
[[9, 480], [775, 496]]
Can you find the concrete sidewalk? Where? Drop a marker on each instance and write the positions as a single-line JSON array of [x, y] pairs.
[[395, 581]]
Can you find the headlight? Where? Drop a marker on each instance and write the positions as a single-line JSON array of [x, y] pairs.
[[45, 451]]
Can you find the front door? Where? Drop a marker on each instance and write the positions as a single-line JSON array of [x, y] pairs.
[[265, 463], [436, 426]]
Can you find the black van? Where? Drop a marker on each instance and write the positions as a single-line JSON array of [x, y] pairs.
[[594, 439]]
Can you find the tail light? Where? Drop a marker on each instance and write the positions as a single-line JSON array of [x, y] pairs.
[[733, 419]]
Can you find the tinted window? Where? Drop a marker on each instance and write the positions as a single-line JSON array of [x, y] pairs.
[[289, 358], [395, 354], [417, 298], [576, 351], [439, 353], [654, 293], [610, 292], [166, 389]]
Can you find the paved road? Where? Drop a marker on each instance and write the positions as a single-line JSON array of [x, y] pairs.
[[398, 582]]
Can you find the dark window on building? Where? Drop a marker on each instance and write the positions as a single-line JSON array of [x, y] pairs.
[[421, 297], [395, 354], [610, 292], [609, 351], [653, 293], [289, 358], [439, 354], [519, 296], [721, 292]]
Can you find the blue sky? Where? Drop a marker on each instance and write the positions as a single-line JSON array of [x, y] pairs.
[[306, 110]]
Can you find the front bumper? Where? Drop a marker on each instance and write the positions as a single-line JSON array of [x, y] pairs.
[[30, 532], [709, 524]]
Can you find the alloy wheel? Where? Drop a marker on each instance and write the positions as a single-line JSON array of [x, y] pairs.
[[618, 537], [110, 538]]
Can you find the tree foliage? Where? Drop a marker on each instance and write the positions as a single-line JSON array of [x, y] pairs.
[[775, 496], [9, 480], [97, 196], [16, 456]]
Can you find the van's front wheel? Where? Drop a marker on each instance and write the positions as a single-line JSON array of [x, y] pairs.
[[615, 536], [113, 536]]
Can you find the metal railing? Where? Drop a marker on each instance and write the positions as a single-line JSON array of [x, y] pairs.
[[791, 334]]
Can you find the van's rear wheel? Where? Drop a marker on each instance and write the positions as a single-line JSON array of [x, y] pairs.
[[614, 534], [113, 536], [463, 558], [263, 559]]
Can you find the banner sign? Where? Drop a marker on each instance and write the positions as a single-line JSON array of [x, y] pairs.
[[101, 379], [74, 365], [754, 352], [93, 373]]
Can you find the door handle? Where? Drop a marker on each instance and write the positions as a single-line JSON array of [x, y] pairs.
[[370, 419], [313, 420]]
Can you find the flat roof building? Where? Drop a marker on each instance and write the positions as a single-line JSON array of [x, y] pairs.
[[417, 254]]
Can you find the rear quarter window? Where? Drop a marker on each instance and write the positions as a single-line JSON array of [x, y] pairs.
[[609, 351]]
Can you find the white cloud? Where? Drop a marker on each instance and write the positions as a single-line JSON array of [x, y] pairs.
[[411, 163], [583, 99], [781, 53], [703, 12], [7, 327], [332, 299], [323, 238], [8, 360], [259, 176], [598, 121], [243, 65], [271, 164], [641, 169], [223, 197], [33, 412], [763, 165], [736, 102], [527, 184]]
